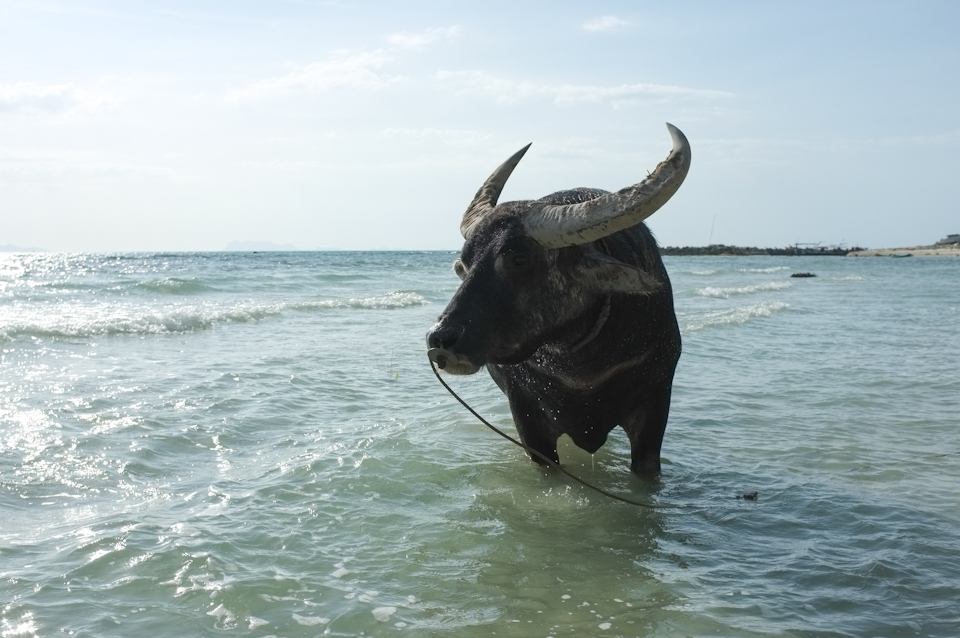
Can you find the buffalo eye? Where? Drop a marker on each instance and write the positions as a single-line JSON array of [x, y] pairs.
[[516, 260]]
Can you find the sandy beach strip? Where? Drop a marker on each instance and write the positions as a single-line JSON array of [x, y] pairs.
[[947, 250]]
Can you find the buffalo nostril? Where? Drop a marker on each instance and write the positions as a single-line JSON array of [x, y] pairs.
[[444, 337], [447, 339]]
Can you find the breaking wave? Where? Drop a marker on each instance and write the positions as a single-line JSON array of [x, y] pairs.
[[173, 286], [78, 321], [726, 293], [742, 314], [764, 270], [119, 320], [390, 301]]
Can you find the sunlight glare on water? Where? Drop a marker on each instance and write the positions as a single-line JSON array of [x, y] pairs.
[[254, 443]]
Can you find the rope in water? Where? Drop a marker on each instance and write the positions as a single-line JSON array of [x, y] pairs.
[[536, 453]]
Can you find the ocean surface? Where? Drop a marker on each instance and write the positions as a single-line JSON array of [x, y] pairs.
[[253, 444]]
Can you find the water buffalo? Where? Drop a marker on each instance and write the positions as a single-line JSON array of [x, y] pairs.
[[567, 303]]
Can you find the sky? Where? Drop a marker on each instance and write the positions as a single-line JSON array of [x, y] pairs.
[[187, 126]]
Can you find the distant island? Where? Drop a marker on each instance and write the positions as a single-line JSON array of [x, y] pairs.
[[943, 248], [258, 246], [724, 250], [10, 248]]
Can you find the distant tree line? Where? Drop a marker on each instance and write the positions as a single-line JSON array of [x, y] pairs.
[[723, 249]]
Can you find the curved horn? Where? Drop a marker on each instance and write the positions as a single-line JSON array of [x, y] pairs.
[[572, 224], [486, 198]]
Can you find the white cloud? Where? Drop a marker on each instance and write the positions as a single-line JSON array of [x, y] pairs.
[[945, 138], [341, 70], [783, 150], [509, 91], [604, 23], [50, 99], [423, 39], [456, 136], [64, 166]]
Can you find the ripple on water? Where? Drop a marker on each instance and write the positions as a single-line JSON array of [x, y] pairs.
[[300, 472]]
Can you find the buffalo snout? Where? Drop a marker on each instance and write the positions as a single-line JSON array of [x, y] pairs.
[[441, 340], [443, 336]]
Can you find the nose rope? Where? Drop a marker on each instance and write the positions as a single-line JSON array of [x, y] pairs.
[[540, 456]]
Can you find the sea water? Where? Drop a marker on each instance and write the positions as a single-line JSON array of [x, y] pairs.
[[253, 444]]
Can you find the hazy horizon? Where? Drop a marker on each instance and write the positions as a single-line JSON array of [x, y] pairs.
[[253, 246]]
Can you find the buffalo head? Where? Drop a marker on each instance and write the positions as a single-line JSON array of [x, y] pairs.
[[535, 273]]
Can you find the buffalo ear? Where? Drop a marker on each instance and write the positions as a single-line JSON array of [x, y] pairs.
[[603, 273], [460, 269]]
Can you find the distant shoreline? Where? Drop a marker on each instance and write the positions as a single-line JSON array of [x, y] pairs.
[[946, 250], [722, 250], [715, 250]]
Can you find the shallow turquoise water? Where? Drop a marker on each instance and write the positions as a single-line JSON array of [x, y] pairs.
[[254, 443]]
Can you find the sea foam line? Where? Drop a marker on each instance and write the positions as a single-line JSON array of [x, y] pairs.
[[74, 320], [726, 293], [389, 301], [765, 270], [738, 315]]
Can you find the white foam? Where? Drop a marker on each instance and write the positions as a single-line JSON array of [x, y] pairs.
[[84, 320], [726, 293], [310, 621], [255, 622], [741, 314], [390, 301], [764, 270], [383, 613], [225, 618], [277, 599]]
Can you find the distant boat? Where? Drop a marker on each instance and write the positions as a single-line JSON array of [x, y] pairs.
[[815, 249], [902, 256], [949, 239]]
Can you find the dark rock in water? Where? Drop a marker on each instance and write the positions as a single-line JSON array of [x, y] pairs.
[[803, 274], [749, 496]]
